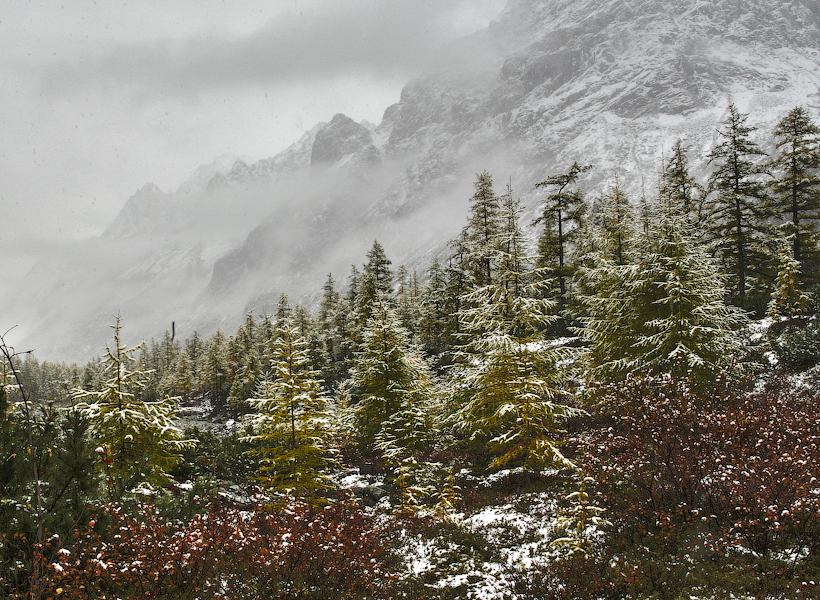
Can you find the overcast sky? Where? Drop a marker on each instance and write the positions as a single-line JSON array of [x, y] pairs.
[[99, 97]]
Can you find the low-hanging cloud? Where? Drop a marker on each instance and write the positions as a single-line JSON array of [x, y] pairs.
[[370, 37]]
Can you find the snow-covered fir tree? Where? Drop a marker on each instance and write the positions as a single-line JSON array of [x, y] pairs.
[[507, 389], [408, 299], [433, 319], [663, 311], [457, 282], [328, 305], [679, 186], [617, 225], [561, 214], [788, 299], [608, 314], [215, 369], [374, 281], [480, 235], [378, 265], [248, 372], [182, 379], [290, 420], [691, 331], [138, 441], [389, 376]]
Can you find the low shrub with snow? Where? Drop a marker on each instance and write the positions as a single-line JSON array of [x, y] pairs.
[[224, 552], [705, 491]]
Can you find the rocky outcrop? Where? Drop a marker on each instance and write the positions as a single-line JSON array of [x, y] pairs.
[[344, 143], [147, 212]]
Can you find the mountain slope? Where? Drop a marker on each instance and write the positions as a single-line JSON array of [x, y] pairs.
[[611, 83]]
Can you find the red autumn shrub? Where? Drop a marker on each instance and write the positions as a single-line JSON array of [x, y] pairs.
[[296, 551], [717, 490]]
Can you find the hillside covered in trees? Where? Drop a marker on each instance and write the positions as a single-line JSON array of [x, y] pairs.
[[617, 399]]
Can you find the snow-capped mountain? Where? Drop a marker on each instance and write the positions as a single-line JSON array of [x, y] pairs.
[[612, 83]]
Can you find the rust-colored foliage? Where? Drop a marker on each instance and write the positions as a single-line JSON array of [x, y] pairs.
[[296, 551], [717, 489]]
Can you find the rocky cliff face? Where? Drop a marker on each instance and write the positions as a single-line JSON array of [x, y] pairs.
[[611, 83], [343, 138]]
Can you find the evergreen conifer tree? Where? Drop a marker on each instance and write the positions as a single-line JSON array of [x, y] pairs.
[[378, 265], [663, 310], [352, 287], [284, 313], [215, 369], [169, 348], [245, 380], [376, 280], [328, 305], [291, 420], [265, 333], [180, 382], [368, 292], [788, 300], [604, 249], [511, 246], [433, 321], [617, 225], [561, 214], [457, 283], [796, 186], [678, 185], [480, 236], [138, 441], [333, 331], [388, 375], [506, 392], [72, 482], [691, 332], [195, 349], [408, 299], [736, 210], [346, 331], [247, 333]]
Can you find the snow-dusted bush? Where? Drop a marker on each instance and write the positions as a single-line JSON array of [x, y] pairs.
[[717, 489], [224, 552]]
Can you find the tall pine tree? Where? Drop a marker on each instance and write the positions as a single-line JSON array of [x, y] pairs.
[[507, 389], [387, 374], [561, 214], [788, 300], [433, 320], [736, 209], [796, 187], [483, 226], [678, 185], [662, 310], [216, 369]]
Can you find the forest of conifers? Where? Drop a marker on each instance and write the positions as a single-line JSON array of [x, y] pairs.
[[640, 384]]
